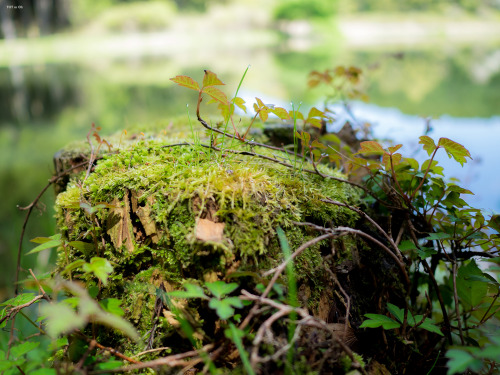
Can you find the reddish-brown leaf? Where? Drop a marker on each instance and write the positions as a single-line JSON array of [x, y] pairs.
[[371, 147]]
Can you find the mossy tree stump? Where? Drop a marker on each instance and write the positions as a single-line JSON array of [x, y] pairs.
[[165, 215]]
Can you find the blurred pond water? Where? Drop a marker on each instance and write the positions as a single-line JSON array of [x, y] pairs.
[[44, 106]]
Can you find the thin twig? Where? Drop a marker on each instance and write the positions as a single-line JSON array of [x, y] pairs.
[[171, 360]]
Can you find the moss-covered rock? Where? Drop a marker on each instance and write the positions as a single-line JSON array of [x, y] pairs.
[[166, 214]]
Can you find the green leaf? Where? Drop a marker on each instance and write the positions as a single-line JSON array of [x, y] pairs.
[[73, 265], [331, 138], [100, 267], [54, 241], [428, 143], [460, 360], [58, 343], [377, 320], [117, 323], [211, 79], [112, 305], [215, 93], [397, 312], [407, 245], [471, 292], [84, 247], [494, 223], [61, 319], [315, 112], [236, 335], [234, 301], [430, 326], [453, 200], [192, 291], [434, 167], [219, 288], [44, 371], [412, 163], [459, 189], [8, 364], [426, 252], [223, 308], [21, 349], [21, 299], [455, 150], [45, 239], [109, 365], [186, 81], [438, 236]]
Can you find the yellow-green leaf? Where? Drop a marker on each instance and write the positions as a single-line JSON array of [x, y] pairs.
[[316, 122], [296, 115], [428, 143], [260, 103], [186, 81], [211, 79], [315, 112], [455, 150], [216, 94], [263, 114], [240, 103], [282, 113]]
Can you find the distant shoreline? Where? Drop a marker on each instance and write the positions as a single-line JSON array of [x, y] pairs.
[[367, 32]]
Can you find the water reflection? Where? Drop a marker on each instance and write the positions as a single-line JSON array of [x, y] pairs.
[[479, 135]]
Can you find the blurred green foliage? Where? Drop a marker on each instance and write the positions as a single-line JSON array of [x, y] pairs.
[[442, 6], [297, 9]]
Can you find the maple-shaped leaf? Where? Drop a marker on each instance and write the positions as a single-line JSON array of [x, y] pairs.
[[455, 150], [315, 112], [260, 104], [240, 103], [296, 115], [225, 110], [428, 143], [263, 114], [316, 122], [216, 94], [211, 79], [386, 159], [304, 136], [282, 113], [317, 144], [393, 149], [186, 81], [370, 147]]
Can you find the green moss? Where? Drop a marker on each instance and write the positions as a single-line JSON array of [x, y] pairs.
[[151, 200]]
